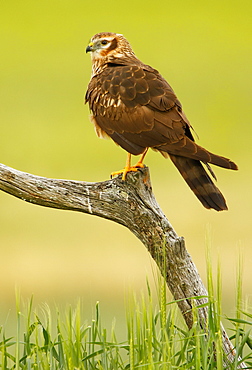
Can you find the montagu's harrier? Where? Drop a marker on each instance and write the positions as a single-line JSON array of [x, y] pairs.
[[136, 107]]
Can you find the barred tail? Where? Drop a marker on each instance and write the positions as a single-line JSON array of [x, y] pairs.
[[199, 181]]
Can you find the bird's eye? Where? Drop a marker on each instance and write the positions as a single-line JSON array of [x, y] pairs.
[[104, 42]]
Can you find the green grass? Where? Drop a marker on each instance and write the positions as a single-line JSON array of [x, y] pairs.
[[157, 337]]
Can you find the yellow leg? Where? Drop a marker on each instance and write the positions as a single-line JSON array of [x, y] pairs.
[[128, 167], [140, 164]]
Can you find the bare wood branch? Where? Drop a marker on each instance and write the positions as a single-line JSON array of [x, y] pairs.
[[133, 205]]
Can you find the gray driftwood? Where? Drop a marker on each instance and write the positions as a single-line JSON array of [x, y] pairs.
[[132, 204]]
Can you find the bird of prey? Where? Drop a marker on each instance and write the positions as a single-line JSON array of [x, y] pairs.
[[134, 105]]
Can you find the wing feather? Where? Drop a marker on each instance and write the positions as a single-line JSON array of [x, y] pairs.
[[138, 109]]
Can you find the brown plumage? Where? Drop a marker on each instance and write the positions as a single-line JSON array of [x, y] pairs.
[[135, 106]]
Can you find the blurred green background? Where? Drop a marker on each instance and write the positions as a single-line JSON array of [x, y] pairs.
[[204, 50]]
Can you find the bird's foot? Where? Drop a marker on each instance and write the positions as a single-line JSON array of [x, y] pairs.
[[127, 169]]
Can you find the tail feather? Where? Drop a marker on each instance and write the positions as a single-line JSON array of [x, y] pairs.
[[199, 181], [222, 161], [189, 149]]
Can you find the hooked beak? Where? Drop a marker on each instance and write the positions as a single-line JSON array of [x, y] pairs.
[[89, 47]]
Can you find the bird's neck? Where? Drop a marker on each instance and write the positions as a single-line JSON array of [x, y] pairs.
[[97, 67], [100, 63]]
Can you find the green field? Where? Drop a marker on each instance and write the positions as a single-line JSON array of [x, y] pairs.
[[204, 50]]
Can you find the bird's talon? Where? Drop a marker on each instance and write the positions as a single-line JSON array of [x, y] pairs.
[[124, 172]]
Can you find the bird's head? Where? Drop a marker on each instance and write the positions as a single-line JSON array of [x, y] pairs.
[[106, 47]]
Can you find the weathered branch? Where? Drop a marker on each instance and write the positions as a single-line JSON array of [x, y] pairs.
[[133, 205]]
